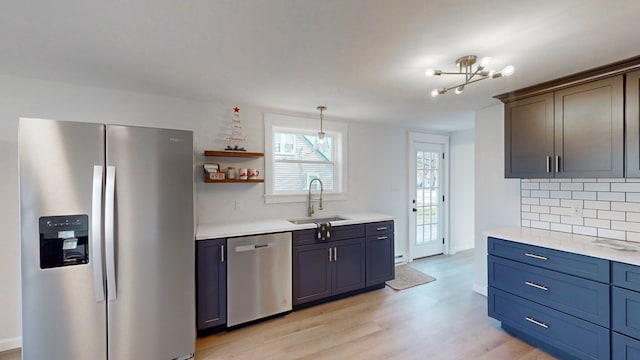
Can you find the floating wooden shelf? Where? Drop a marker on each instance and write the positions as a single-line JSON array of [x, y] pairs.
[[232, 153], [234, 181]]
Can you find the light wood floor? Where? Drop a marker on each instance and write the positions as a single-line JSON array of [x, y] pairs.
[[440, 320]]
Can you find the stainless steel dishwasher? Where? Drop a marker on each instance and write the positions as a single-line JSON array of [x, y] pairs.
[[258, 277]]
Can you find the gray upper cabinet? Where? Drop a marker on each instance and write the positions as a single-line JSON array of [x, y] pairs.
[[632, 101], [589, 129], [576, 131], [529, 137]]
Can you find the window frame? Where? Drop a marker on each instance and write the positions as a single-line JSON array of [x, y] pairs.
[[340, 132]]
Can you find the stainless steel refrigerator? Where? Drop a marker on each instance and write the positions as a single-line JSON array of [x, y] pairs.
[[107, 233]]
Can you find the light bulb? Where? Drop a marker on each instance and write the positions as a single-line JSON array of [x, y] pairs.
[[430, 72], [321, 137], [459, 90], [435, 92], [508, 71], [485, 61]]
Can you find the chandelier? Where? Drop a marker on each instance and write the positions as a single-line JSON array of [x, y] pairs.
[[465, 65]]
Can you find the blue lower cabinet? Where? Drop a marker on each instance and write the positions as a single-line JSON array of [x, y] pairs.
[[626, 314], [552, 330], [624, 347], [586, 299]]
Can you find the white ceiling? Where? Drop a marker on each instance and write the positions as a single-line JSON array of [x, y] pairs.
[[363, 59]]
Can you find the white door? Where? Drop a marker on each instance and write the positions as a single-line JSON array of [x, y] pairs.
[[427, 204]]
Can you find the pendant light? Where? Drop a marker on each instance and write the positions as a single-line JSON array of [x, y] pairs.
[[321, 133]]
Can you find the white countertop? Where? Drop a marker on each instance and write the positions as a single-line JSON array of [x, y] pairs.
[[223, 230], [616, 250]]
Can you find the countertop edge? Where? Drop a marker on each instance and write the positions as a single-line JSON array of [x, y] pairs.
[[573, 243], [246, 228]]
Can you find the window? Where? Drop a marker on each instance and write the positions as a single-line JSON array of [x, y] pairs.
[[294, 156]]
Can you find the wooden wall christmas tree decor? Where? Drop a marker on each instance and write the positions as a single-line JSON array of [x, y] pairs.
[[237, 135]]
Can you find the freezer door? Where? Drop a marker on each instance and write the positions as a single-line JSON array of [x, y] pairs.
[[63, 310], [151, 311]]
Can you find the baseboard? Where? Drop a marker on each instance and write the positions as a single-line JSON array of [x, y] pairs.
[[10, 344], [482, 290]]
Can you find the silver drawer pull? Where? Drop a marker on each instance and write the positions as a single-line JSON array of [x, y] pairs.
[[541, 324], [382, 237], [381, 228], [536, 286], [539, 257]]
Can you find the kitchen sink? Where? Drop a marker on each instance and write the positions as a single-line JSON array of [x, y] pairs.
[[314, 220]]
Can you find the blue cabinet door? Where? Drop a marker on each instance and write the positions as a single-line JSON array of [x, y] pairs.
[[626, 276], [311, 273], [624, 348], [348, 265], [380, 260], [625, 312], [211, 283], [568, 334]]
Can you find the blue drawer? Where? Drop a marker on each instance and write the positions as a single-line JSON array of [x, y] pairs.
[[624, 348], [586, 299], [576, 337], [625, 275], [625, 316], [579, 265]]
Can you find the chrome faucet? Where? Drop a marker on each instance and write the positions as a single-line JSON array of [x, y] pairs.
[[310, 210]]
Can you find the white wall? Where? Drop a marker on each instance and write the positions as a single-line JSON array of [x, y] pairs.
[[377, 158], [462, 190], [497, 200]]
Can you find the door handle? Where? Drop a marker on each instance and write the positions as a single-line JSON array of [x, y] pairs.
[[548, 164], [330, 254], [109, 232], [335, 254], [96, 233], [414, 210], [221, 253], [557, 163]]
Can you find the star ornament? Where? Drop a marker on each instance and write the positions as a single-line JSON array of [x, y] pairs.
[[236, 109]]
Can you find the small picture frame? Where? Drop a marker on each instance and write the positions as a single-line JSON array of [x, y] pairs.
[[211, 167]]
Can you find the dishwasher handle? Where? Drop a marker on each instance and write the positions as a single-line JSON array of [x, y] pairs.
[[253, 247]]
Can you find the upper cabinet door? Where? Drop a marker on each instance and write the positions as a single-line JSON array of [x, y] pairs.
[[633, 124], [589, 129], [529, 137]]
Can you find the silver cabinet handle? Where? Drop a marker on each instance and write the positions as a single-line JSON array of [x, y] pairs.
[[96, 233], [548, 164], [532, 320], [382, 237], [221, 253], [335, 254], [539, 257], [541, 287], [557, 163], [381, 228], [109, 231], [330, 254]]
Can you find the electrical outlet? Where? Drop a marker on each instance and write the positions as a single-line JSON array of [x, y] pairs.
[[576, 211], [238, 205]]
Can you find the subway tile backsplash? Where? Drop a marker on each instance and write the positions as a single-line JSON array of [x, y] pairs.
[[607, 208]]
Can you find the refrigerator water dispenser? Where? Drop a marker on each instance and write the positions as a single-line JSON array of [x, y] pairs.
[[64, 241]]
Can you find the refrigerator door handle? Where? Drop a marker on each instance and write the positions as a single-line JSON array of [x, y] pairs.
[[96, 233], [109, 232]]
